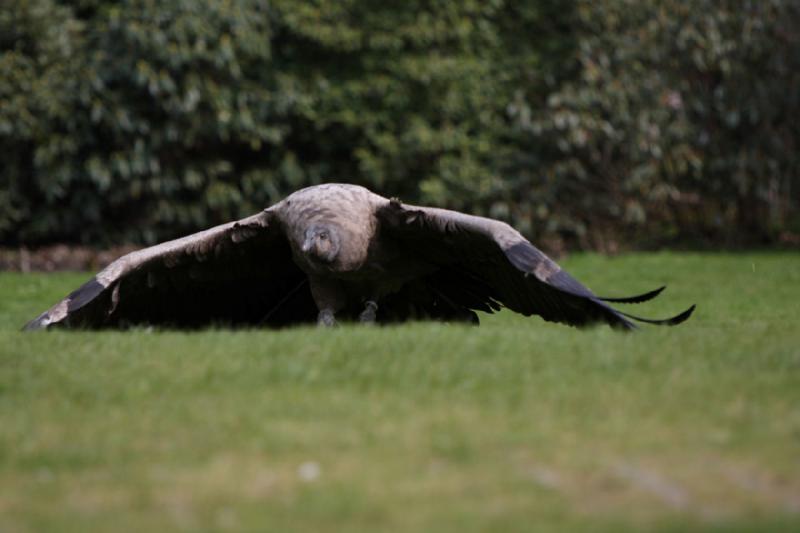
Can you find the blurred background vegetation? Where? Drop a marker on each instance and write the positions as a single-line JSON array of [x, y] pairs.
[[592, 123]]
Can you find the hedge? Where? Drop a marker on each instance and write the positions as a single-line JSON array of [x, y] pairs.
[[593, 122]]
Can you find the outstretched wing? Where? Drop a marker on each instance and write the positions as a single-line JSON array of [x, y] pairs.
[[240, 273], [505, 267]]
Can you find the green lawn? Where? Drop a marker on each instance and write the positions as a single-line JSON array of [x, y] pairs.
[[517, 425]]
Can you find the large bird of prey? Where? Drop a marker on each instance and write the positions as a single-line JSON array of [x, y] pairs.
[[337, 251]]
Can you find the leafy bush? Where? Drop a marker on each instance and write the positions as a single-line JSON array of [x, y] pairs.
[[676, 125]]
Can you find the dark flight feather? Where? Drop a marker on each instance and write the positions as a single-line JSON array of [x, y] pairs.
[[639, 298]]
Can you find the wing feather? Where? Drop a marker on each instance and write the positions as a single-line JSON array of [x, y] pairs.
[[522, 277], [234, 273], [637, 299]]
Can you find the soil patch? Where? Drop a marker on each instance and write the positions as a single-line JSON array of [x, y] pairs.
[[59, 257]]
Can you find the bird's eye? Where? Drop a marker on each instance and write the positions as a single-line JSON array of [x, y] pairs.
[[323, 236]]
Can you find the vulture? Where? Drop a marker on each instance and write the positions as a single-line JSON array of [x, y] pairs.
[[338, 252]]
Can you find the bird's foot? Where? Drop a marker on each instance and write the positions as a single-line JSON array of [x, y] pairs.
[[368, 315], [326, 319]]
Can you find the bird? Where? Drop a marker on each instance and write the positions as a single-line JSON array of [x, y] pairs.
[[338, 252]]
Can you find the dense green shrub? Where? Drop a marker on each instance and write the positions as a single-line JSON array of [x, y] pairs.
[[40, 60], [649, 121], [677, 125]]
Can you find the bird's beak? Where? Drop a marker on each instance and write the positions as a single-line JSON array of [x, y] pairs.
[[306, 246]]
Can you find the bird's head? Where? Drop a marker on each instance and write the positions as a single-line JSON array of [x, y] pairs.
[[321, 242]]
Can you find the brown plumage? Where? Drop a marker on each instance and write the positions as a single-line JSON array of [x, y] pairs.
[[337, 251]]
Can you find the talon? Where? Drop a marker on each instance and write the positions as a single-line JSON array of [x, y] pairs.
[[326, 319], [368, 315]]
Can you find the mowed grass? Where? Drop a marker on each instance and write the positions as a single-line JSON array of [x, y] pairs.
[[517, 425]]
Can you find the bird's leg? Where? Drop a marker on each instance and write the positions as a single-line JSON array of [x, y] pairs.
[[326, 318], [330, 298], [367, 316]]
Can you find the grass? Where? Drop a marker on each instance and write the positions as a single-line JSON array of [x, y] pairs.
[[517, 425]]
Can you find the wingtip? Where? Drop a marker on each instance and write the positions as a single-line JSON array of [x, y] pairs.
[[40, 322], [672, 321], [639, 298], [682, 317]]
